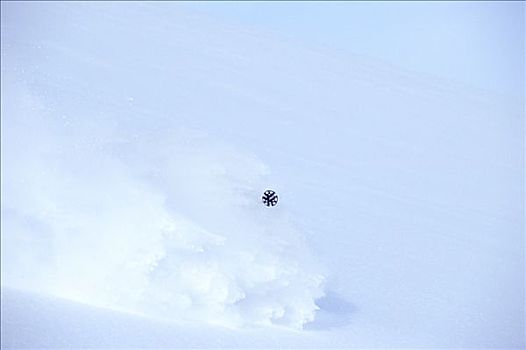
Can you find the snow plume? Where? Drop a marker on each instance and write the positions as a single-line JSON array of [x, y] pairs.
[[146, 217]]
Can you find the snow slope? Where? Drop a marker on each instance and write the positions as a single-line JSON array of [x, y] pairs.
[[137, 140], [26, 319]]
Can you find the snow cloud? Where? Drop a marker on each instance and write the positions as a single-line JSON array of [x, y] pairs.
[[149, 218]]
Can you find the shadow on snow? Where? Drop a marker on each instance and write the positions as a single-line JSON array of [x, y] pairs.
[[334, 312]]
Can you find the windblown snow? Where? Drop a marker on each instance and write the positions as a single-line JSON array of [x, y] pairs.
[[137, 140], [161, 222]]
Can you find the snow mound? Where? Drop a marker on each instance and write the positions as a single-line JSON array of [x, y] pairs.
[[36, 321], [147, 218]]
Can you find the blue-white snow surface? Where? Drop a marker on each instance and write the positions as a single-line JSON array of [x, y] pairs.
[[137, 140]]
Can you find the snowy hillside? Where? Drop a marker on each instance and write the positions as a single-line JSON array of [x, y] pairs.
[[137, 140], [27, 319]]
